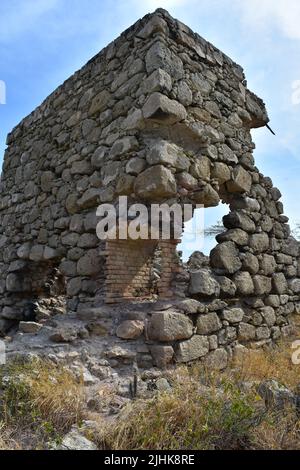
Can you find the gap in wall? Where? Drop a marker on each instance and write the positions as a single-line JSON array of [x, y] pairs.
[[194, 236]]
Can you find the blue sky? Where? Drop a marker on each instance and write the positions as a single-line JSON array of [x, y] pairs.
[[42, 42]]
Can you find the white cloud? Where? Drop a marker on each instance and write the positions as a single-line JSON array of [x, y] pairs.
[[282, 14]]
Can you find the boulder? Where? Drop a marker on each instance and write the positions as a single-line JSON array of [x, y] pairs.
[[29, 327], [207, 196], [159, 108], [241, 180], [169, 326], [162, 355], [275, 394], [262, 285], [233, 315], [155, 182], [203, 283], [246, 332], [268, 315], [225, 257], [244, 283], [209, 323], [280, 285], [193, 348], [259, 242], [76, 441], [130, 329], [217, 359]]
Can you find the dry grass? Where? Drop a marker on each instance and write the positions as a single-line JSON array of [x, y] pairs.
[[39, 393], [7, 441], [184, 419], [226, 416], [275, 363], [203, 410]]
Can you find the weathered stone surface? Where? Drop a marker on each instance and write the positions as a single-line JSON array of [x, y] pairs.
[[244, 283], [246, 332], [89, 263], [250, 263], [192, 349], [259, 242], [203, 283], [269, 316], [159, 107], [130, 329], [162, 152], [206, 196], [275, 394], [64, 335], [207, 324], [169, 326], [155, 182], [221, 172], [233, 315], [226, 257], [216, 360], [76, 441], [29, 327], [262, 284], [162, 355], [280, 284], [241, 181], [236, 235], [189, 306]]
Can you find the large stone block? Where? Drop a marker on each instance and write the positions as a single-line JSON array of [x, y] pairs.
[[89, 264], [241, 181], [169, 326], [244, 283], [130, 329], [226, 257], [233, 315], [262, 285], [217, 359], [203, 283], [207, 324], [155, 183], [160, 108], [192, 349], [259, 242]]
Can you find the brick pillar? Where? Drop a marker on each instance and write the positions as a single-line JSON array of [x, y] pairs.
[[169, 268]]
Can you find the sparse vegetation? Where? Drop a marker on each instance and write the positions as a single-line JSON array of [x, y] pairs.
[[39, 397], [203, 409]]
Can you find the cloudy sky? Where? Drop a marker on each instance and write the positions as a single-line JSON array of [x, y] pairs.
[[42, 42]]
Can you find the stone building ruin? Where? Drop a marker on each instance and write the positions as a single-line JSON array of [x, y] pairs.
[[159, 115]]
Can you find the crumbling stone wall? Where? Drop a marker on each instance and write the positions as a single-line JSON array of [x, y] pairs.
[[160, 115]]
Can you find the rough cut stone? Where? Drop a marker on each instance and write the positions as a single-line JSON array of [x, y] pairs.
[[169, 326], [197, 346], [216, 360], [241, 181], [29, 327], [203, 283], [244, 283], [160, 108], [233, 315], [162, 355], [226, 257], [130, 329], [207, 324], [155, 182]]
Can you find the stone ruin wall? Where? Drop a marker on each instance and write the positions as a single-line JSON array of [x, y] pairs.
[[160, 115]]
